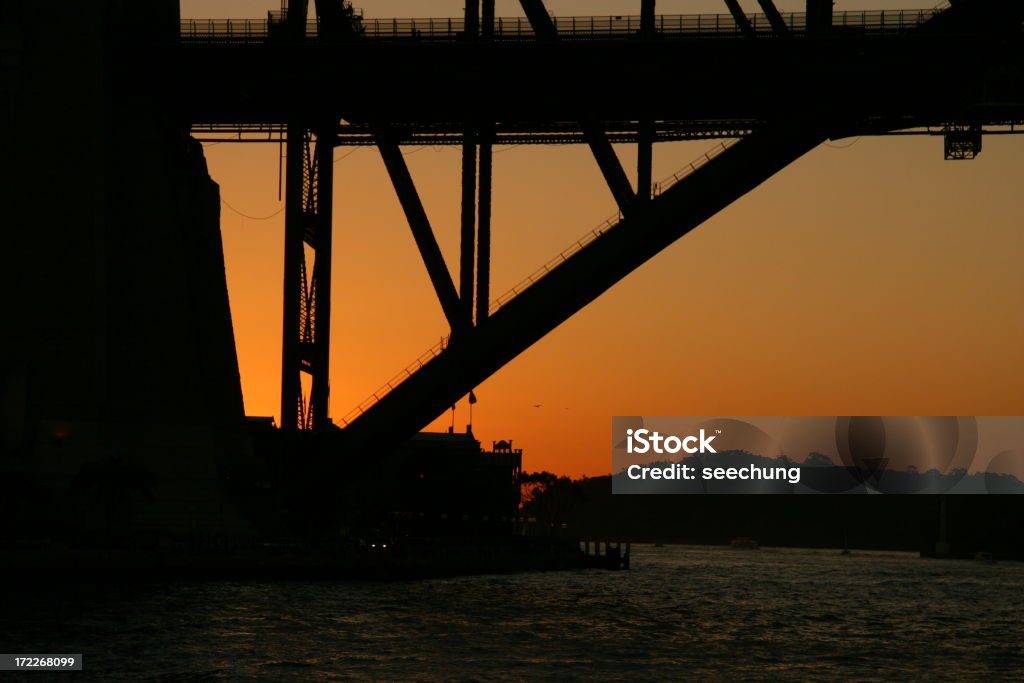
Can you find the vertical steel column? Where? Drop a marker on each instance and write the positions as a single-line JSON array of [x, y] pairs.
[[305, 346], [487, 19], [645, 131], [647, 17], [306, 318], [293, 412], [292, 408], [483, 243], [483, 265], [468, 241], [320, 357], [472, 25], [645, 160], [467, 262], [774, 17]]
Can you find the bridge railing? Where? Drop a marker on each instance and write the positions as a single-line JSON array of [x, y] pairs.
[[657, 189], [518, 29], [388, 386], [883, 21], [224, 30], [524, 284]]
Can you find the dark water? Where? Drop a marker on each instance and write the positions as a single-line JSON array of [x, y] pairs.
[[680, 613]]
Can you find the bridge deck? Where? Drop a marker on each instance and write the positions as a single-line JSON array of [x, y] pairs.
[[518, 29], [697, 77]]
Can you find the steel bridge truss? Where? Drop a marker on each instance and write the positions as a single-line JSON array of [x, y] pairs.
[[307, 278], [486, 334]]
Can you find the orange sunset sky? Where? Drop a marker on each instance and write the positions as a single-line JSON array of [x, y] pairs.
[[871, 277]]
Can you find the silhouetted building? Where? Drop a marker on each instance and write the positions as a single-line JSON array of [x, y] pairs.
[[444, 484], [119, 386]]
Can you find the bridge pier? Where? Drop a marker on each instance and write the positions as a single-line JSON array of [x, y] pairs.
[[121, 413]]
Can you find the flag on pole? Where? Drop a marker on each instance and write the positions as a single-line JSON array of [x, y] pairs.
[[472, 398]]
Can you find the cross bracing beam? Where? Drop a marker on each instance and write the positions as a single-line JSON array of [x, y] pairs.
[[741, 19], [419, 224], [774, 17], [604, 153], [611, 167], [305, 346]]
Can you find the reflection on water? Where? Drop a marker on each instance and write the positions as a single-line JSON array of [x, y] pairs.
[[681, 612]]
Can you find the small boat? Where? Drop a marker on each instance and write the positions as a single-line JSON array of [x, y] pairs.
[[744, 543]]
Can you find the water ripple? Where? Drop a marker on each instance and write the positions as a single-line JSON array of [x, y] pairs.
[[681, 613]]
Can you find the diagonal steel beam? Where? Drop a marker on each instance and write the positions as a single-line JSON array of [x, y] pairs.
[[774, 17], [405, 188], [611, 168], [576, 282], [741, 18], [541, 22]]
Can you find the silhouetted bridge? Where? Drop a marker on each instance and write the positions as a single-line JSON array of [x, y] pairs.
[[780, 84]]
